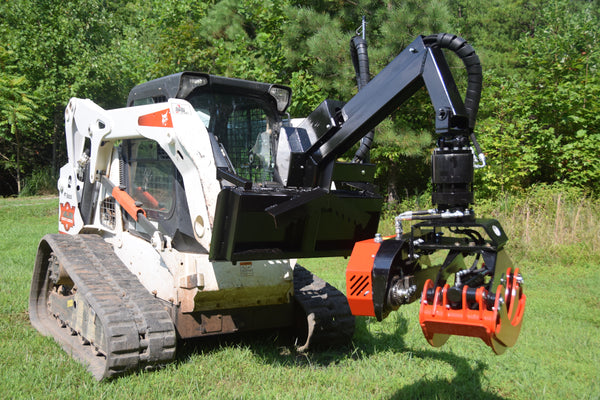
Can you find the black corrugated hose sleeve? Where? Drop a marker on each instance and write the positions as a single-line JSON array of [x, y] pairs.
[[360, 60], [471, 61]]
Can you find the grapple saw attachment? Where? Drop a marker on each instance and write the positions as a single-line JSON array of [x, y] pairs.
[[483, 300]]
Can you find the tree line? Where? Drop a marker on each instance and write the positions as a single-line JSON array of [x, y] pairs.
[[539, 116]]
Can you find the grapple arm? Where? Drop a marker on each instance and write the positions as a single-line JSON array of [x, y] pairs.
[[475, 291], [333, 128]]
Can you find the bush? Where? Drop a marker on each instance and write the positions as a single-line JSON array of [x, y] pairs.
[[545, 223], [550, 222], [41, 182]]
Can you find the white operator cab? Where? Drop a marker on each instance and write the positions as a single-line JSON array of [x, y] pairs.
[[162, 156]]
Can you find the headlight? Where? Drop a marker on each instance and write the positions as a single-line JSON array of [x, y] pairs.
[[282, 97], [189, 83]]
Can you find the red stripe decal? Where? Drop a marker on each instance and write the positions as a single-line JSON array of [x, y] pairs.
[[161, 119]]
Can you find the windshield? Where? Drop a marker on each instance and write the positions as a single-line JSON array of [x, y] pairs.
[[245, 126]]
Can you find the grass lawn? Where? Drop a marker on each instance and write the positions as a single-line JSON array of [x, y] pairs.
[[557, 355]]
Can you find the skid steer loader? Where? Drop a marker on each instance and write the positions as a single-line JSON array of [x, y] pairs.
[[182, 215]]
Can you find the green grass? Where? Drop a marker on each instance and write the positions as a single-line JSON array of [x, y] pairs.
[[556, 357]]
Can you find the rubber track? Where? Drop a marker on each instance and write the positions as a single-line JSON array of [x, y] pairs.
[[330, 321], [138, 330]]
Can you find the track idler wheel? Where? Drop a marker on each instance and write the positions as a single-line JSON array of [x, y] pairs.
[[498, 326]]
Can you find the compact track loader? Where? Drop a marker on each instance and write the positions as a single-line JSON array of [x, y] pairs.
[[182, 215]]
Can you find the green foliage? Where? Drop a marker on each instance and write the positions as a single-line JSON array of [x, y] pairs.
[[548, 223], [543, 124], [17, 109], [61, 49], [314, 41], [230, 38], [17, 106], [306, 94], [494, 27], [538, 120], [40, 182], [402, 159]]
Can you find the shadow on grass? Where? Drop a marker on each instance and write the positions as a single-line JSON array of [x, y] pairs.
[[271, 346], [276, 348], [466, 384]]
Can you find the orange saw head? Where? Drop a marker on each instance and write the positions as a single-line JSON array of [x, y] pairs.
[[484, 299]]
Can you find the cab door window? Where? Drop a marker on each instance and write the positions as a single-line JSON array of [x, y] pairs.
[[151, 175]]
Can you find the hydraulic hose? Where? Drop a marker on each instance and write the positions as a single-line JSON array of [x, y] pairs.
[[471, 61], [360, 60]]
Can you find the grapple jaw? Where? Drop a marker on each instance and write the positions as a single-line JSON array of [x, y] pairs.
[[497, 325], [485, 300]]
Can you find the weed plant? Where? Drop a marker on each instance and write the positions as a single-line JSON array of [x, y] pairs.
[[550, 221], [542, 223], [41, 182]]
